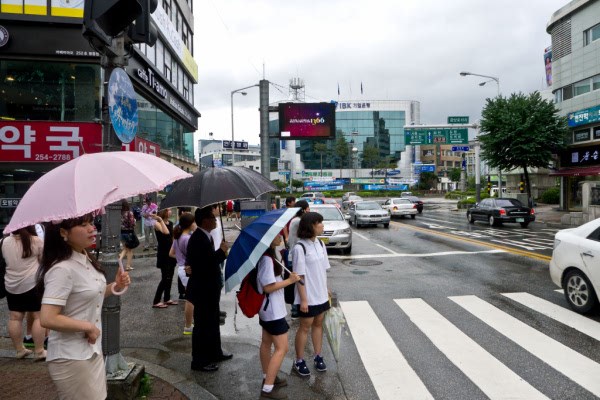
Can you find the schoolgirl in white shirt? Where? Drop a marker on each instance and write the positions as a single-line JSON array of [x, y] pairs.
[[272, 319], [311, 263]]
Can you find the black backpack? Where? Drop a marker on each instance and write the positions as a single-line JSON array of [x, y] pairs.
[[2, 272]]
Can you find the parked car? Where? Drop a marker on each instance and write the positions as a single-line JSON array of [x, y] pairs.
[[346, 195], [337, 234], [406, 194], [575, 265], [311, 195], [368, 213], [399, 207], [415, 200], [498, 211], [329, 200], [350, 200]]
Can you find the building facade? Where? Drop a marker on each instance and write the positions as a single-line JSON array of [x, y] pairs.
[[51, 91], [575, 79]]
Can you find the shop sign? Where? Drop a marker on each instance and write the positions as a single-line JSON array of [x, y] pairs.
[[25, 141], [581, 156], [367, 181], [9, 203], [350, 106], [238, 145], [4, 36], [142, 146], [582, 117], [148, 76]]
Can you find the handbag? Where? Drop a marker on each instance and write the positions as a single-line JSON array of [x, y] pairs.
[[132, 241]]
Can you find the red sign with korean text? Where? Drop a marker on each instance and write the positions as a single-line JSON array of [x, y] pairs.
[[26, 141], [142, 146]]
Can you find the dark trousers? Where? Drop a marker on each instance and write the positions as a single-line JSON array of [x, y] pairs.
[[206, 336], [164, 285]]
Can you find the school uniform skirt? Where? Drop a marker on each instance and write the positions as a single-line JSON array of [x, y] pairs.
[[79, 379]]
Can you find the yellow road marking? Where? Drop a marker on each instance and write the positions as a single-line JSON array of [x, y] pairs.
[[477, 242]]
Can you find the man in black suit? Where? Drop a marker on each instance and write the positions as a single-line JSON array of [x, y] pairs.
[[203, 290]]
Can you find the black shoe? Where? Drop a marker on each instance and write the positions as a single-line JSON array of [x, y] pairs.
[[222, 314], [206, 368], [225, 357]]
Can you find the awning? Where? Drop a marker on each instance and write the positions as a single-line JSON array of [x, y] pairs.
[[584, 171]]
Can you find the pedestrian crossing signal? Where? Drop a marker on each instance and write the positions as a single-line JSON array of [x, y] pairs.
[[522, 187]]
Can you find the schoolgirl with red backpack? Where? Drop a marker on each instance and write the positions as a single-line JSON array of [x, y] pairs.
[[272, 313]]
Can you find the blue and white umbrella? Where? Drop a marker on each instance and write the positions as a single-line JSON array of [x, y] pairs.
[[252, 243]]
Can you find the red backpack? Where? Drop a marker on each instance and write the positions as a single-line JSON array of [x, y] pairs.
[[248, 296]]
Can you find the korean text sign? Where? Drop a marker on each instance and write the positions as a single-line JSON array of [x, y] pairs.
[[27, 141]]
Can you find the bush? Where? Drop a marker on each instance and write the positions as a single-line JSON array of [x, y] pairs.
[[466, 203], [550, 196]]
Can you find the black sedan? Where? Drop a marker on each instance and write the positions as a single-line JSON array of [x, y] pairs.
[[497, 211], [415, 200]]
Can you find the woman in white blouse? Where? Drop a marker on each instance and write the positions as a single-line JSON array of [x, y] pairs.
[[74, 290]]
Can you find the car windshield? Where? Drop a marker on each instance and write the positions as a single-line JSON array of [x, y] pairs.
[[354, 198], [368, 205], [329, 214], [412, 198], [402, 201], [508, 203]]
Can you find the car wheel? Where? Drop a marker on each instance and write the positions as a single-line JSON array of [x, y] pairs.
[[471, 218], [492, 221], [386, 225], [413, 216], [356, 223], [524, 224], [579, 292], [420, 210]]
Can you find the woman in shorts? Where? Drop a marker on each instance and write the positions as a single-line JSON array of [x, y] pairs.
[[272, 319]]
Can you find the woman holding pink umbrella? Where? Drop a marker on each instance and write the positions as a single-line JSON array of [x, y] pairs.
[[74, 290]]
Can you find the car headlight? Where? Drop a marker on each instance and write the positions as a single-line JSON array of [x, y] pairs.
[[346, 231]]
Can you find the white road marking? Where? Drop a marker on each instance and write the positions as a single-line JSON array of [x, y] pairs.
[[392, 376], [495, 379], [385, 248], [560, 291], [558, 313], [359, 235], [573, 365], [440, 254]]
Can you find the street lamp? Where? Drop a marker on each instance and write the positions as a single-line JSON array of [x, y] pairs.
[[497, 80], [232, 136], [354, 162]]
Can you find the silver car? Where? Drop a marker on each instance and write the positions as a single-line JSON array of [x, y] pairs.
[[368, 213], [337, 234], [350, 200]]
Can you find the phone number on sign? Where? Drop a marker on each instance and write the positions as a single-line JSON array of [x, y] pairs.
[[53, 157]]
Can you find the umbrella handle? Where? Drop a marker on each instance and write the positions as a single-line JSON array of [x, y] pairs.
[[289, 272], [112, 288]]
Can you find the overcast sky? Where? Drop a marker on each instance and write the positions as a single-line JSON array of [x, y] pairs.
[[398, 49]]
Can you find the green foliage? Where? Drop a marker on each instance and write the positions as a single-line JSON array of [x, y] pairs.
[[370, 156], [454, 174], [521, 131], [550, 196], [427, 180], [145, 386], [280, 185], [341, 150], [297, 183]]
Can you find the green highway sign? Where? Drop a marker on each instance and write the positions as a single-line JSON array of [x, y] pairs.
[[416, 136], [458, 120]]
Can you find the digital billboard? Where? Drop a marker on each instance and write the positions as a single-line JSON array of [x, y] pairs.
[[299, 121]]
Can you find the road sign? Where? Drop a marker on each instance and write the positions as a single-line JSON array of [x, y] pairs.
[[460, 148], [416, 136], [458, 120], [238, 145]]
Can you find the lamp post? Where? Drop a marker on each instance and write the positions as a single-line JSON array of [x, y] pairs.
[[354, 162], [497, 80], [232, 135]]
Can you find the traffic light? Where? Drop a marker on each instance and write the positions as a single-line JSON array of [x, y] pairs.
[[144, 30], [105, 19], [522, 187], [489, 186]]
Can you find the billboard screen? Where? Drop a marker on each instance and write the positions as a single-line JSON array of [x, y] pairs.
[[299, 121]]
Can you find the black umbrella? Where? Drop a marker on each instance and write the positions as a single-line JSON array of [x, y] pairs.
[[216, 185]]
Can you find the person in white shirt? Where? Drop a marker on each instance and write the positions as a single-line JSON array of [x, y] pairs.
[[272, 320], [74, 290], [311, 263], [292, 239]]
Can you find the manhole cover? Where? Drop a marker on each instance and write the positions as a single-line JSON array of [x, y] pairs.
[[365, 263]]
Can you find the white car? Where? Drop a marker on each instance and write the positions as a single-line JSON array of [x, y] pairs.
[[337, 234], [398, 207], [575, 265]]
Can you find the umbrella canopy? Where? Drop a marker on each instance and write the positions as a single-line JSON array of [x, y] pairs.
[[215, 185], [90, 182], [252, 243]]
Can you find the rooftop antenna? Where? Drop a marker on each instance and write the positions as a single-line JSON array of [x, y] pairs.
[[297, 90]]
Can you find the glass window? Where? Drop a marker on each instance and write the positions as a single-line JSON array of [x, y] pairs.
[[558, 96], [596, 82], [151, 54], [179, 78], [174, 71], [581, 135], [581, 87], [160, 56], [46, 91], [167, 6], [567, 92], [168, 74]]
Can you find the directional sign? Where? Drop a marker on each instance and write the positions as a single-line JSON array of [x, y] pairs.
[[460, 148], [238, 145], [458, 120], [417, 136]]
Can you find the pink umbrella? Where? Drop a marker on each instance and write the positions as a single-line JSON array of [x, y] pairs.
[[90, 182]]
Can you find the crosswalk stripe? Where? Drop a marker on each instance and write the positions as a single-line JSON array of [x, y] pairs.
[[493, 378], [558, 313], [389, 371], [573, 365]]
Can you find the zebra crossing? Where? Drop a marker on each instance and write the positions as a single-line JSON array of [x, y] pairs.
[[393, 377]]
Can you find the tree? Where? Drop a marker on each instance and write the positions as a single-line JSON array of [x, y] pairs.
[[320, 148], [341, 150], [371, 156], [454, 174], [427, 180], [521, 131]]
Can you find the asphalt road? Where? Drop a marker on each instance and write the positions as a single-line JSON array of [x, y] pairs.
[[429, 315]]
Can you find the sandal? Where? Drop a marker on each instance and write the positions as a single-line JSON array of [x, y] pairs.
[[172, 303], [160, 305], [23, 353], [40, 356], [129, 268]]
